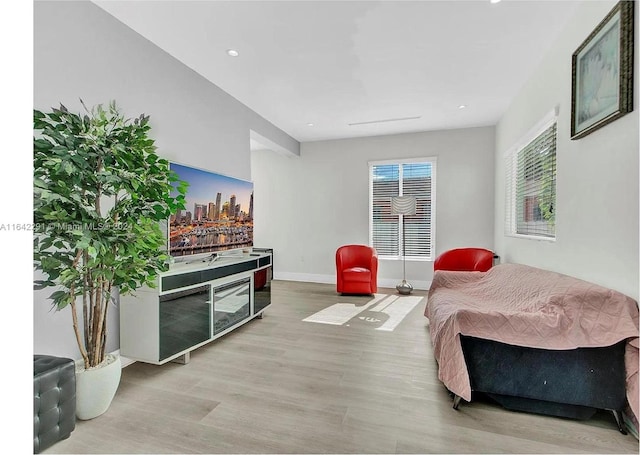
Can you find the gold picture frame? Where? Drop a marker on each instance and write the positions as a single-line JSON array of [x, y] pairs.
[[602, 73]]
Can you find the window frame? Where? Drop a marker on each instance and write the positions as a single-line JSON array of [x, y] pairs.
[[511, 181], [432, 161]]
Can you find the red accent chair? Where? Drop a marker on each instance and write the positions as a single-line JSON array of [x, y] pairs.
[[465, 260], [357, 269]]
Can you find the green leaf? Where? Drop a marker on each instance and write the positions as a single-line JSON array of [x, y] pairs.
[[57, 295], [41, 284], [41, 144]]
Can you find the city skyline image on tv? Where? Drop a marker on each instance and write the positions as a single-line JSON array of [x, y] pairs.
[[218, 213]]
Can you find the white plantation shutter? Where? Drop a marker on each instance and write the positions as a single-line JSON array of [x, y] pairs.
[[385, 183], [531, 183], [416, 182], [402, 178]]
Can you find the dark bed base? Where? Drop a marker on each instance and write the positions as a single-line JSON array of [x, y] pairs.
[[568, 383]]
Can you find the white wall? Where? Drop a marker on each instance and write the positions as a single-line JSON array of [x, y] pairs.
[[597, 176], [306, 207], [80, 51]]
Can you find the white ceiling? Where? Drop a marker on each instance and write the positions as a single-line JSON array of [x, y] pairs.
[[332, 63]]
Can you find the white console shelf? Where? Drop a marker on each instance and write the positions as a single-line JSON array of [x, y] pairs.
[[194, 303]]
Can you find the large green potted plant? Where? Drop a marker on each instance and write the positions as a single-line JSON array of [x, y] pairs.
[[100, 196]]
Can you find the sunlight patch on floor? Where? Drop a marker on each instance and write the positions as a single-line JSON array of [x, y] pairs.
[[383, 312]]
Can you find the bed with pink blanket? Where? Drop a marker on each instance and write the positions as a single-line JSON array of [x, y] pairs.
[[535, 340]]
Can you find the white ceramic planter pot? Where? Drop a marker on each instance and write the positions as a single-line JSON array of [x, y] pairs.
[[96, 387]]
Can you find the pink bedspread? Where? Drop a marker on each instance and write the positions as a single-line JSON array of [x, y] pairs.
[[526, 306]]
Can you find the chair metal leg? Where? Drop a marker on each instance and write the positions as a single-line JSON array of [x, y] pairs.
[[456, 401], [618, 417]]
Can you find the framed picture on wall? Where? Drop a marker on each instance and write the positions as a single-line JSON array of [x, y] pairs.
[[602, 73]]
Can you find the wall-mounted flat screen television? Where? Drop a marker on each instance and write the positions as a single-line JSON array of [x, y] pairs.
[[218, 214]]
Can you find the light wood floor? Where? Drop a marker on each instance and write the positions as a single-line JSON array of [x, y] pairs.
[[280, 385]]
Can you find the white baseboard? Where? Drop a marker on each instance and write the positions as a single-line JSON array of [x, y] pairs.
[[331, 279], [307, 277], [391, 283]]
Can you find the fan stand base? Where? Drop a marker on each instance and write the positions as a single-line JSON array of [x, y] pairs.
[[404, 288]]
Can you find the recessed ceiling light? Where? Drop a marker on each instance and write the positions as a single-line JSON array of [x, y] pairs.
[[309, 124], [495, 1], [462, 106], [232, 52]]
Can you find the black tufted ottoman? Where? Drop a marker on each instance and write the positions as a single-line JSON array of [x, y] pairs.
[[54, 400]]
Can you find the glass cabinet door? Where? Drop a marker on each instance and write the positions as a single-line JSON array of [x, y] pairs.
[[185, 319], [231, 304], [262, 289]]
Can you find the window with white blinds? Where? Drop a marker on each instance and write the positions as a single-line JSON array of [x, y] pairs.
[[531, 183], [386, 231]]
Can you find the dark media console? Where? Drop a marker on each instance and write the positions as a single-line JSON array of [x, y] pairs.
[[194, 303]]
